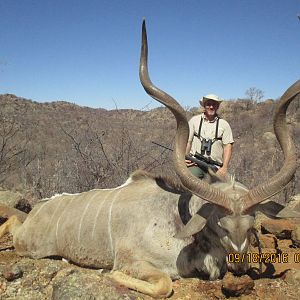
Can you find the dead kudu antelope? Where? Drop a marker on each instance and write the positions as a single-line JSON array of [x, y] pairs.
[[150, 231]]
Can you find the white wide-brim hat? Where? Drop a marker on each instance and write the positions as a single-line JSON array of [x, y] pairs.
[[210, 97]]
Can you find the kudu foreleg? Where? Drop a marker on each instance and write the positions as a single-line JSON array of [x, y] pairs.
[[144, 278]]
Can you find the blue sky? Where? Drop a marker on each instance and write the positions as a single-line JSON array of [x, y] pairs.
[[87, 52]]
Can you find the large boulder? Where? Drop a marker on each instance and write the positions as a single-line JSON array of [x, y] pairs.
[[19, 204], [294, 203], [10, 198], [281, 228], [23, 202]]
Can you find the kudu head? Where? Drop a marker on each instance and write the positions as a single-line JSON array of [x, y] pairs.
[[235, 204]]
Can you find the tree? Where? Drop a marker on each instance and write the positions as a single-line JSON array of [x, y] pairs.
[[254, 94], [15, 155]]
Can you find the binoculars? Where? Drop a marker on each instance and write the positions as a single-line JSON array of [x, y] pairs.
[[206, 146]]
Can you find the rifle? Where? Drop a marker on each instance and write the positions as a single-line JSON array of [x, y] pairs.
[[201, 161]]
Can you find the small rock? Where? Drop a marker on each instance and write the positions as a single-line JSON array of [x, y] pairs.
[[236, 286], [11, 273], [294, 203], [3, 286], [282, 229], [268, 241], [218, 294], [292, 277], [296, 237]]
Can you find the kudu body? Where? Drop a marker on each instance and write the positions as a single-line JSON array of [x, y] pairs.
[[150, 231]]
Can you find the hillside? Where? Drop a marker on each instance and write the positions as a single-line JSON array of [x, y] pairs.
[[62, 147]]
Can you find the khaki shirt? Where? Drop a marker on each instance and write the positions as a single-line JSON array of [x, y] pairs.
[[208, 131]]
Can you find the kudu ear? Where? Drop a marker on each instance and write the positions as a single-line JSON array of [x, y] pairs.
[[276, 210], [194, 225]]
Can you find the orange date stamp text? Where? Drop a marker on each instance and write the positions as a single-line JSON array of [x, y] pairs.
[[255, 257]]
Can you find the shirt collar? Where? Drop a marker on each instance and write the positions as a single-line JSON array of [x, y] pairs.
[[205, 119]]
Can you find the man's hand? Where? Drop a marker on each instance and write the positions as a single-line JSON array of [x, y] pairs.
[[222, 171], [189, 163]]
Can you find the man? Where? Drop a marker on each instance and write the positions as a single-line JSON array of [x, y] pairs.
[[210, 136]]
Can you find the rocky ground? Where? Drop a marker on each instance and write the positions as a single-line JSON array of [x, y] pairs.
[[25, 278]]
